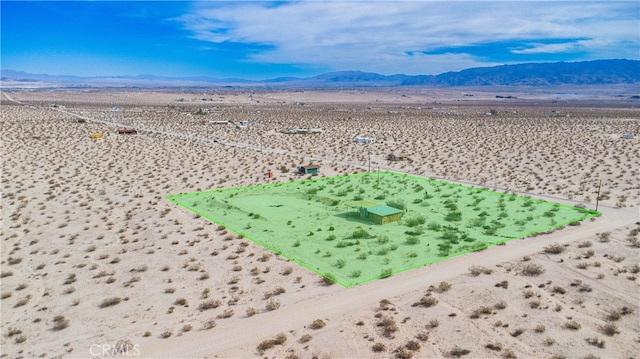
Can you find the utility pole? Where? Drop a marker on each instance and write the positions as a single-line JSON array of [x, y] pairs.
[[369, 158], [598, 195]]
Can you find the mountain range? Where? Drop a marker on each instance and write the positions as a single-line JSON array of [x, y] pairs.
[[598, 72]]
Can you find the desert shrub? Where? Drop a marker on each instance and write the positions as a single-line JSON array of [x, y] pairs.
[[317, 324], [458, 352], [573, 325], [387, 326], [610, 329], [396, 203], [272, 305], [209, 304], [500, 305], [360, 233], [379, 347], [166, 334], [209, 323], [433, 323], [426, 301], [181, 301], [412, 240], [540, 328], [477, 270], [60, 322], [251, 311], [532, 270], [484, 309], [228, 313], [415, 221], [187, 328], [517, 332], [412, 345], [554, 248], [614, 315], [443, 287], [110, 302]]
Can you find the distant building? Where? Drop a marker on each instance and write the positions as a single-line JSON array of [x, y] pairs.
[[311, 169], [362, 139], [218, 122], [127, 131]]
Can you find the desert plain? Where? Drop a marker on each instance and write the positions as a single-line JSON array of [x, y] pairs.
[[96, 262]]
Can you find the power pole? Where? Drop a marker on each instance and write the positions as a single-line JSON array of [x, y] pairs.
[[369, 159], [598, 195]]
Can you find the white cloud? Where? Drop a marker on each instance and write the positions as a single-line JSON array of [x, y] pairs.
[[375, 36]]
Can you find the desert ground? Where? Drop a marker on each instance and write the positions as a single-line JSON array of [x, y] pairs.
[[96, 262]]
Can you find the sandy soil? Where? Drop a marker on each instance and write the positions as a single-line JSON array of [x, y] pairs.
[[96, 262]]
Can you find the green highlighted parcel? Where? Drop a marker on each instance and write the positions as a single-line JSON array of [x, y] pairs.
[[357, 228]]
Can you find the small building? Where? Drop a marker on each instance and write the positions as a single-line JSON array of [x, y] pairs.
[[627, 136], [95, 135], [218, 122], [381, 214], [307, 170], [127, 131], [362, 139]]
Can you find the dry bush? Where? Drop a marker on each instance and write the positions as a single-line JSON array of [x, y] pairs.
[[517, 332], [60, 322], [412, 345], [443, 287], [477, 270], [181, 301], [108, 302], [540, 328], [387, 326], [166, 334], [378, 347], [433, 323], [480, 311], [272, 305], [554, 248], [251, 311], [209, 323], [458, 352], [426, 301], [573, 325], [532, 270], [610, 329], [209, 304], [305, 339], [500, 305], [228, 313], [317, 324]]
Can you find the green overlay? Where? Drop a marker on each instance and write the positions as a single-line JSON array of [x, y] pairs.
[[358, 228]]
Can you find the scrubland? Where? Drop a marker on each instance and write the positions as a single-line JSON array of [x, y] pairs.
[[95, 257]]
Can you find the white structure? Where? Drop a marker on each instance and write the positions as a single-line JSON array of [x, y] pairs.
[[627, 136], [218, 122], [362, 139]]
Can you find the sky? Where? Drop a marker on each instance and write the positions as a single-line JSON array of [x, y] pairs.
[[267, 39]]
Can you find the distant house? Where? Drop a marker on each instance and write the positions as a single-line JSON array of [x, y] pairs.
[[362, 139], [381, 214], [311, 169], [218, 122], [127, 131], [627, 136]]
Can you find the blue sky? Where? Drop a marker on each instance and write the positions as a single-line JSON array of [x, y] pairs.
[[261, 39]]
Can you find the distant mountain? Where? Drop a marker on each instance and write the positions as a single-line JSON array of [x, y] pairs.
[[599, 72]]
